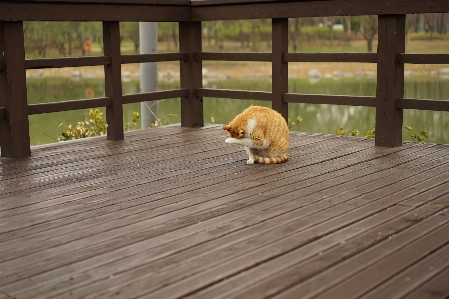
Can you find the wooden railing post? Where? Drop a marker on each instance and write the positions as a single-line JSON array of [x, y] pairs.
[[390, 80], [279, 73], [113, 80], [14, 128], [191, 74]]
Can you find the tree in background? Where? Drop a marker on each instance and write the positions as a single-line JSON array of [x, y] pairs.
[[63, 36], [130, 31], [368, 29], [294, 32], [67, 38], [168, 32]]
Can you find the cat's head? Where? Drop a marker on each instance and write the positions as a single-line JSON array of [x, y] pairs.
[[234, 132]]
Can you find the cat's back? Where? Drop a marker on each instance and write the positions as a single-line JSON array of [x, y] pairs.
[[270, 120]]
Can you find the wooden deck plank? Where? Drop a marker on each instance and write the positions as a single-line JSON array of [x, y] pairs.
[[159, 182], [417, 274], [386, 268], [92, 228], [199, 264], [98, 272], [333, 276], [257, 271], [165, 195], [434, 289], [228, 150]]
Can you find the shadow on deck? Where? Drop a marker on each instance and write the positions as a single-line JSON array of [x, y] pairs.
[[175, 212]]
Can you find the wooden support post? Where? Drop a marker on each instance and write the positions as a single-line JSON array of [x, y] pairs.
[[191, 74], [390, 80], [113, 80], [14, 128], [279, 73]]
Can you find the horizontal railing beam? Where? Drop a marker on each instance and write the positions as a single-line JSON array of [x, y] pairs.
[[264, 57], [330, 57], [145, 2], [66, 62], [234, 94], [141, 58], [434, 105], [155, 95], [365, 101], [68, 105], [233, 10], [119, 11], [424, 58]]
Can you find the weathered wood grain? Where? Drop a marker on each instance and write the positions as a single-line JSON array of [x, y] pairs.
[[190, 41], [233, 10], [194, 214], [330, 99], [390, 80], [66, 11], [113, 80], [14, 133]]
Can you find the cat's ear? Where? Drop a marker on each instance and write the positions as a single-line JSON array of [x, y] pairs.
[[227, 128], [241, 133]]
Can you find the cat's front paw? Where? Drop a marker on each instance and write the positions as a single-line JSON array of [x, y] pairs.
[[228, 140], [250, 161]]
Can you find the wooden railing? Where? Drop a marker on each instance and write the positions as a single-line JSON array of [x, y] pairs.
[[390, 58]]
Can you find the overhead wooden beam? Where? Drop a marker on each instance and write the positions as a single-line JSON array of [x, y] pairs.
[[68, 11], [232, 10]]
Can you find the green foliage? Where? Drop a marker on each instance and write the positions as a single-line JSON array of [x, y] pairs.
[[417, 137], [354, 133], [128, 126], [291, 124], [66, 37], [340, 131], [130, 31], [93, 126], [370, 134]]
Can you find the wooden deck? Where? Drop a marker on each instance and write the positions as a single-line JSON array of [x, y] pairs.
[[175, 212]]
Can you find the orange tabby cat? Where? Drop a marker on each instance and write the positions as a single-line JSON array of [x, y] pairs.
[[263, 132]]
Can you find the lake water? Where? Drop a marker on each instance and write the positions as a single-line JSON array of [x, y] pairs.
[[45, 128]]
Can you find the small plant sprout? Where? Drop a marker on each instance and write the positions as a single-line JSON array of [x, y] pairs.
[[370, 134], [128, 126], [354, 133], [416, 137], [291, 124], [340, 131]]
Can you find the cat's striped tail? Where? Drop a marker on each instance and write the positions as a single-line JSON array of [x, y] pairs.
[[275, 160]]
